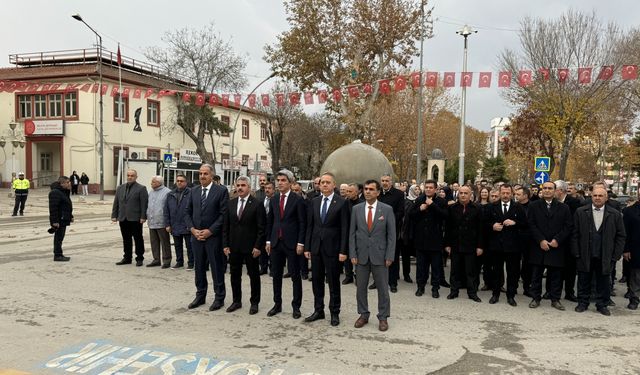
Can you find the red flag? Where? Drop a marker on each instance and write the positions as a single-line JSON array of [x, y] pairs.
[[105, 88], [86, 87], [606, 72], [45, 87], [353, 91], [125, 92], [199, 99], [449, 79], [237, 98], [35, 87], [400, 83], [213, 100], [70, 87], [119, 56], [322, 96], [584, 75], [186, 97], [308, 97], [280, 99], [137, 93], [563, 74], [465, 79], [545, 73], [337, 95], [53, 87], [524, 78], [265, 99], [432, 79], [416, 79], [504, 79], [629, 72], [11, 86], [252, 100], [485, 79], [95, 88], [294, 98], [384, 86], [162, 93], [2, 85], [148, 93], [367, 88], [114, 91], [225, 100]]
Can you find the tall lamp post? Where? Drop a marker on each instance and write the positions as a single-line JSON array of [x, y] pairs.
[[465, 32], [427, 29], [101, 142]]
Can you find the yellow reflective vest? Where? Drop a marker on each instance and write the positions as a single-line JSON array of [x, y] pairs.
[[21, 186]]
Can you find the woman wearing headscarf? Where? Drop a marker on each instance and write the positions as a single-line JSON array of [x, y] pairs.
[[407, 232]]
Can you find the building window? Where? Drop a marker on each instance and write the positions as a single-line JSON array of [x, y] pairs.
[[55, 105], [245, 160], [263, 132], [24, 106], [153, 154], [120, 108], [153, 113], [40, 106], [245, 129], [227, 121], [71, 104], [116, 150]]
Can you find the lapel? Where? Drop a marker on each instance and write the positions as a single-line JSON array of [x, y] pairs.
[[331, 208], [605, 214], [552, 210], [233, 208], [376, 216]]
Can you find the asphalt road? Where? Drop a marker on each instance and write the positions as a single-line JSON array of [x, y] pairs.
[[89, 316]]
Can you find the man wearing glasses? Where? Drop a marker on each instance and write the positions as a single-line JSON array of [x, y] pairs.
[[174, 221]]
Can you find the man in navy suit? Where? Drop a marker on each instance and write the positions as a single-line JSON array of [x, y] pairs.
[[286, 224], [327, 246], [205, 215]]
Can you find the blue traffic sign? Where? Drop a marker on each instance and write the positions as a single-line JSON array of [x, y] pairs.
[[542, 164], [168, 158], [541, 177]]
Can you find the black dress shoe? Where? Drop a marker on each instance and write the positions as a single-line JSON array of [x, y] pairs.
[[123, 261], [296, 314], [557, 305], [166, 265], [419, 291], [435, 294], [155, 263], [372, 286], [178, 265], [484, 288], [286, 275], [335, 320], [263, 272], [216, 305], [611, 303], [253, 309], [604, 311], [512, 302], [452, 296], [494, 299], [196, 302], [138, 263], [393, 289], [571, 297], [61, 258], [317, 315], [445, 284], [581, 308], [534, 303], [347, 280], [408, 279], [633, 305], [234, 306], [275, 310], [475, 298]]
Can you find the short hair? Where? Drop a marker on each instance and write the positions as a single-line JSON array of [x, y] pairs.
[[375, 182], [128, 170], [286, 173], [208, 166], [550, 182], [525, 191], [603, 183], [561, 185], [158, 179], [216, 178], [181, 175], [433, 182], [269, 183], [386, 175], [506, 186], [496, 191], [333, 177], [245, 179], [62, 179]]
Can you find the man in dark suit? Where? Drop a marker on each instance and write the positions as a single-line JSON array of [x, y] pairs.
[[631, 219], [372, 241], [286, 225], [205, 215], [550, 224], [269, 191], [569, 269], [243, 238], [327, 242], [354, 197], [130, 211], [505, 218], [394, 198], [522, 195], [60, 215], [598, 242], [260, 193]]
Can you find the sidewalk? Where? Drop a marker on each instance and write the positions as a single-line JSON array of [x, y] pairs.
[[38, 203]]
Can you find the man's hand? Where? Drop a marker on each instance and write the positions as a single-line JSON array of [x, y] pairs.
[[168, 229], [299, 249], [497, 227], [227, 251], [205, 233], [447, 249], [554, 243], [55, 225], [544, 245], [354, 261], [307, 254], [255, 252], [387, 263], [423, 207], [114, 220], [479, 252], [342, 257], [627, 256], [142, 221], [508, 223], [267, 248]]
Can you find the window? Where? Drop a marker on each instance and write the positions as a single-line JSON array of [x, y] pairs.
[[55, 105], [153, 113], [245, 160], [116, 150], [71, 104], [120, 108], [153, 154], [227, 121], [45, 161], [40, 105], [245, 129], [24, 106], [263, 132]]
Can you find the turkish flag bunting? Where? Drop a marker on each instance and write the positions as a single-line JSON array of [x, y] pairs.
[[86, 87], [95, 88], [563, 74], [367, 88], [384, 86], [353, 91], [629, 72], [45, 87], [53, 87], [504, 79], [524, 78], [22, 86], [2, 85], [545, 73], [125, 92], [225, 100], [70, 87], [432, 79], [416, 80], [584, 75], [400, 83], [148, 93], [137, 93], [186, 97], [162, 93], [337, 95], [105, 88], [114, 91], [199, 99], [252, 100], [265, 99], [213, 100], [449, 79], [606, 72], [322, 96], [237, 98], [294, 98], [308, 97], [280, 99], [11, 87], [485, 79], [35, 87], [465, 79]]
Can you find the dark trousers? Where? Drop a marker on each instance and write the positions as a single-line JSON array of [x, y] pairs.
[[498, 262], [603, 289], [483, 266], [132, 233], [569, 274], [236, 259], [279, 255], [304, 265], [21, 199], [526, 272], [554, 282], [58, 237], [348, 269], [424, 259], [264, 261], [74, 189], [178, 243], [394, 268], [463, 272], [324, 266], [208, 254], [407, 253], [634, 284]]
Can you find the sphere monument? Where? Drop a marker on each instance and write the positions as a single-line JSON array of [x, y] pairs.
[[356, 163]]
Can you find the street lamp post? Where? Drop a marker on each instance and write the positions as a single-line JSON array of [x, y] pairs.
[[426, 32], [15, 143], [101, 141], [465, 32]]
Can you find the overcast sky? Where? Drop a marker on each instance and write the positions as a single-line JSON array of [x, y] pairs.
[[46, 25]]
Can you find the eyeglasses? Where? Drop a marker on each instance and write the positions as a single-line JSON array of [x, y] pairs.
[[181, 181]]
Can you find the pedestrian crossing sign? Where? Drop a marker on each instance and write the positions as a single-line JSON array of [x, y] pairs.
[[168, 158], [542, 164]]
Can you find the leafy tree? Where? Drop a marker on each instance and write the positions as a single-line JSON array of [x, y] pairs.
[[495, 169]]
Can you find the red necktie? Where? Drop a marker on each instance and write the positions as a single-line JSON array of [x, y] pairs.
[[370, 218], [282, 197]]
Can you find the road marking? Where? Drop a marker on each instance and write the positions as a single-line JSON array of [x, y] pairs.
[[13, 372]]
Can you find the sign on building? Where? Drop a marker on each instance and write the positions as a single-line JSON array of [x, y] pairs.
[[44, 127], [189, 155]]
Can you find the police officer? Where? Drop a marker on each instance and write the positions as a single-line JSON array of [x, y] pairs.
[[21, 188]]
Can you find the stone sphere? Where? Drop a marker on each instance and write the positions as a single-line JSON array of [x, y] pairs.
[[437, 154], [357, 162]]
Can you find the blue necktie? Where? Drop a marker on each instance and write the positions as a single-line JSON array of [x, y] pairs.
[[323, 212], [203, 198]]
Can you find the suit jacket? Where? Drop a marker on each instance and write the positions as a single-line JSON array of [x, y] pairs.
[[243, 234], [464, 230], [508, 239], [428, 229], [212, 217], [613, 238], [292, 224], [330, 237], [573, 203], [131, 206], [394, 198], [175, 211], [631, 219], [544, 224], [373, 246]]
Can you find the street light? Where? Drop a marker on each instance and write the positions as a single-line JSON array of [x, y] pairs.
[[427, 30], [101, 149], [15, 143], [465, 32]]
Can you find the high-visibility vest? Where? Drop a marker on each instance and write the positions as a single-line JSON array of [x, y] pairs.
[[19, 184]]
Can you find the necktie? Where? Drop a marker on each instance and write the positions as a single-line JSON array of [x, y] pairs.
[[266, 204], [203, 198], [548, 206], [505, 209], [323, 212], [241, 208], [282, 197], [370, 218]]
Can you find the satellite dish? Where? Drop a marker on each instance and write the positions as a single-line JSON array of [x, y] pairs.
[[134, 155]]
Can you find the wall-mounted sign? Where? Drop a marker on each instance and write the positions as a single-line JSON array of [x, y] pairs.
[[43, 127], [189, 155]]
